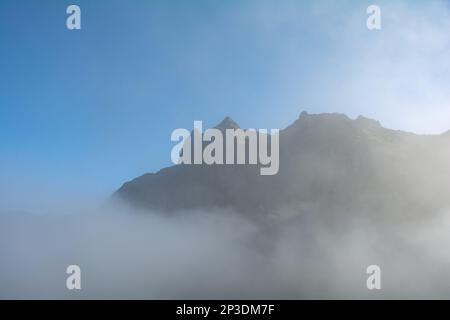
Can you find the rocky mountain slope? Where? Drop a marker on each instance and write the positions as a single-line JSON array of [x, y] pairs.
[[328, 163]]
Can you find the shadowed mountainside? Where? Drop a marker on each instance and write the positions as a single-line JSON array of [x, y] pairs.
[[328, 163]]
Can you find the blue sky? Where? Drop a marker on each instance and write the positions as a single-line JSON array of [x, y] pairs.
[[83, 111]]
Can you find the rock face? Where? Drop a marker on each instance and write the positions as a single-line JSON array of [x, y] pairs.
[[328, 163]]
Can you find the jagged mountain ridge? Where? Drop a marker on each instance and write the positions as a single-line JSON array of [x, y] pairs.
[[328, 163]]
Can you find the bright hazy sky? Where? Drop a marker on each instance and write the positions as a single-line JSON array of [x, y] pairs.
[[83, 111]]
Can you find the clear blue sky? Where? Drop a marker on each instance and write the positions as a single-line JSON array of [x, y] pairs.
[[83, 111]]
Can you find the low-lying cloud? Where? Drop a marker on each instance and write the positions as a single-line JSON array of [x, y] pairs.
[[206, 254]]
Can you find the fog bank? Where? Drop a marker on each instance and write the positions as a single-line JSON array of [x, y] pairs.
[[218, 254]]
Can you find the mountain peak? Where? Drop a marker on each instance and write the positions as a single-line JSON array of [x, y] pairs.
[[322, 116], [339, 117], [368, 122], [343, 162], [227, 123], [304, 114], [308, 119]]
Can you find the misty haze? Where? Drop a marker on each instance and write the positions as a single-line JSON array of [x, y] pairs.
[[349, 194], [92, 93]]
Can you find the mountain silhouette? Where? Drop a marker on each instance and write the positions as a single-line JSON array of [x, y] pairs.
[[227, 123], [329, 163]]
